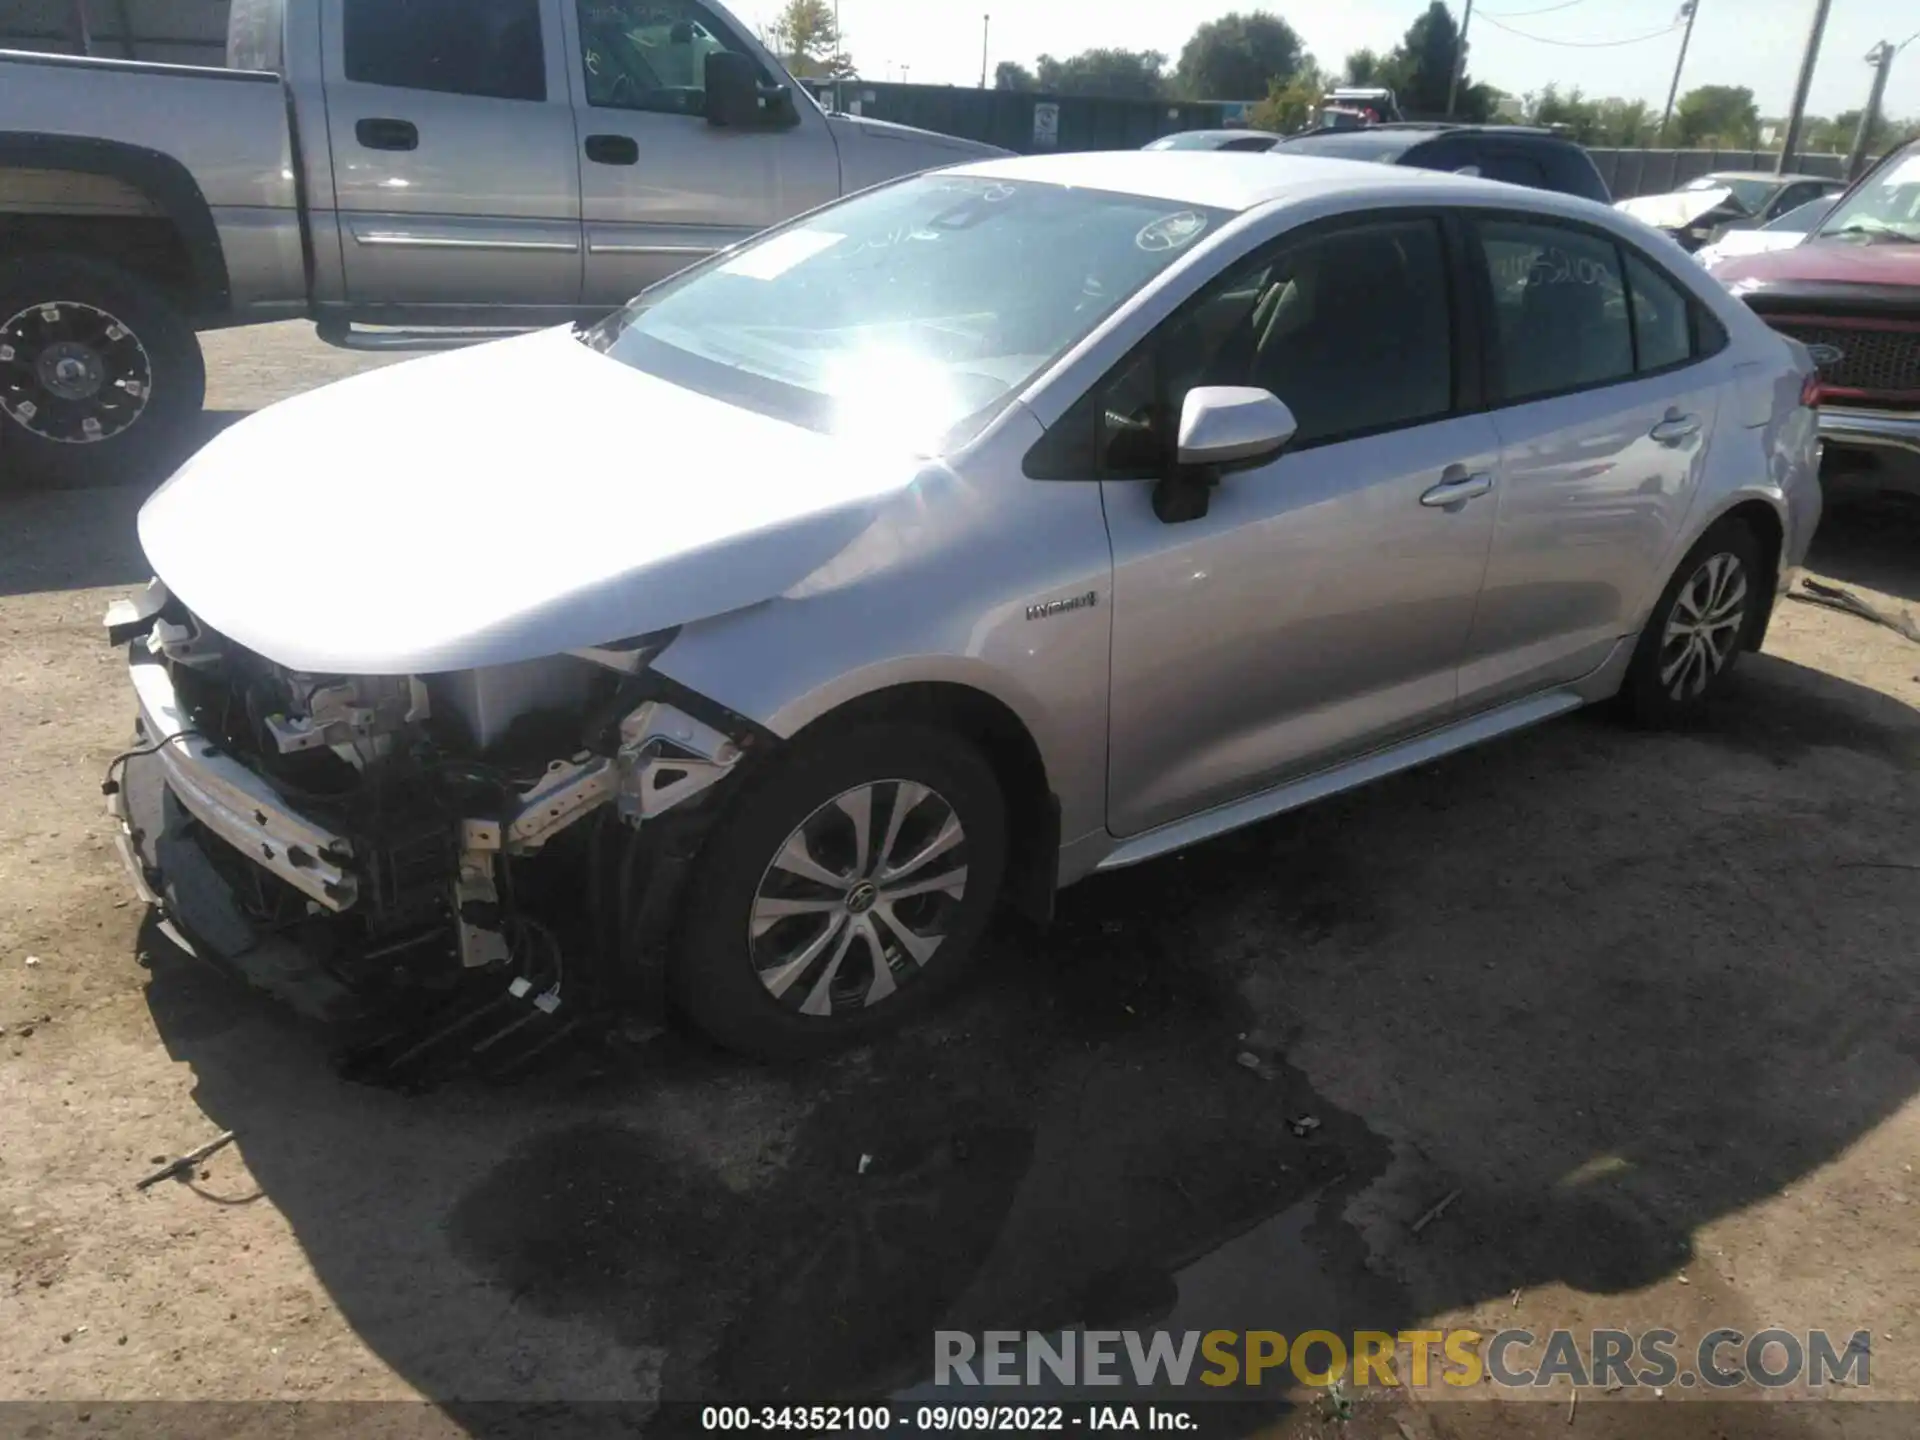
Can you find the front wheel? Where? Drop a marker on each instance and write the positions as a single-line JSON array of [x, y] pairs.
[[843, 892], [100, 376], [1698, 628]]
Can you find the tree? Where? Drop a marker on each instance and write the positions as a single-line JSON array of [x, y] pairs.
[[1123, 74], [1364, 67], [1291, 104], [1721, 115], [1238, 57], [1422, 67], [808, 42], [1011, 75]]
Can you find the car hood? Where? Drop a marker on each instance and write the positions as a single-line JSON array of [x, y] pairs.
[[1826, 261], [499, 504], [1673, 211], [1737, 243]]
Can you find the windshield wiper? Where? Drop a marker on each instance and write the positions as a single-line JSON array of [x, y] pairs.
[[1876, 232]]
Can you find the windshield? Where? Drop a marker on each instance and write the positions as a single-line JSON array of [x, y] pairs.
[[1750, 195], [1802, 218], [1886, 206], [910, 314]]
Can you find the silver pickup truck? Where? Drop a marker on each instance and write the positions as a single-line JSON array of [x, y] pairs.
[[407, 175]]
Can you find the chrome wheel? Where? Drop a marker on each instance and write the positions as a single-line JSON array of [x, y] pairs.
[[1703, 630], [857, 901], [70, 372]]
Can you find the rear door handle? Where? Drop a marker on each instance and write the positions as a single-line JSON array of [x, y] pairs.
[[377, 133], [613, 150], [1675, 428], [1458, 489]]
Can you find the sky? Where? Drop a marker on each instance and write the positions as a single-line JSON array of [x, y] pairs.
[[1757, 43]]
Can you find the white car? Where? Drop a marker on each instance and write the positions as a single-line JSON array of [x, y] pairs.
[[939, 548], [1782, 234]]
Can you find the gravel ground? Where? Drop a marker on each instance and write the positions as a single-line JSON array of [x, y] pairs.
[[1645, 1002]]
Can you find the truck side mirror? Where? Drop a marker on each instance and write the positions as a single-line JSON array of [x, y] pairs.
[[736, 98]]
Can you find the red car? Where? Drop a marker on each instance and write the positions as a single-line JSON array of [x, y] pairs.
[[1850, 292]]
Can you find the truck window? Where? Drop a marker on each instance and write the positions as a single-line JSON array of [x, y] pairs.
[[648, 54], [490, 48]]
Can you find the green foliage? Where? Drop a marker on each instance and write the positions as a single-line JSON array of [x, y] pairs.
[[1291, 104], [1010, 75], [1238, 57], [1122, 74], [1717, 115], [808, 42]]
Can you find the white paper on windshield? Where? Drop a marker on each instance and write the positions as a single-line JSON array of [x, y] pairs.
[[1907, 172], [772, 259]]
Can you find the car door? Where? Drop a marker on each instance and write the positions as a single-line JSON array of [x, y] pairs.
[[1605, 413], [660, 187], [453, 148], [1321, 605]]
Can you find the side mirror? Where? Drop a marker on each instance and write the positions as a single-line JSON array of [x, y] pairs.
[[735, 97], [1222, 427]]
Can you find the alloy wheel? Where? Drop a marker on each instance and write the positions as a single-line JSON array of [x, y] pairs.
[[1703, 629], [857, 901], [72, 373]]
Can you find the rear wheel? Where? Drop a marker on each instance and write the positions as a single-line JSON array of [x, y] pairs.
[[1699, 627], [842, 893], [99, 374]]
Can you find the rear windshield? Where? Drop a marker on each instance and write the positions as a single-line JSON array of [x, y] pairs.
[[909, 314], [1355, 145]]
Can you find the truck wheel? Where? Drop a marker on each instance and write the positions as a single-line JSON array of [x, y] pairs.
[[843, 892], [99, 374]]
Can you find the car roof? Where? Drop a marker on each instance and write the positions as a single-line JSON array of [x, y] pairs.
[[1222, 179], [1790, 178], [1222, 135]]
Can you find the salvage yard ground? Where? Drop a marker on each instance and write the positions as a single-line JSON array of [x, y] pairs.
[[1646, 1002]]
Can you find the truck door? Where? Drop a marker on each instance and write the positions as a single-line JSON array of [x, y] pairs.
[[659, 186], [453, 168]]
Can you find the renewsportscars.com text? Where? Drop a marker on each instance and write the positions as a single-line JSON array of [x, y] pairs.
[[1721, 1359]]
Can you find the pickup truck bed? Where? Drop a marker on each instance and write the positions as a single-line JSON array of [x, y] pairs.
[[412, 175]]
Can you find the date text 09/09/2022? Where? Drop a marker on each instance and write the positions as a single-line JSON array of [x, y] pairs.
[[937, 1419]]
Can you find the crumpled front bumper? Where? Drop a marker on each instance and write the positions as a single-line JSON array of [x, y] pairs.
[[231, 801]]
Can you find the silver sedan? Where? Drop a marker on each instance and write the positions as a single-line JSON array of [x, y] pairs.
[[933, 551]]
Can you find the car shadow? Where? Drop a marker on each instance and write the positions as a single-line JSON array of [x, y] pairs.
[[1605, 987], [82, 537], [1873, 543]]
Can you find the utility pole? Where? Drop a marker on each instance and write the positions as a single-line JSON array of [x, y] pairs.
[[986, 23], [1798, 113], [78, 30], [1689, 8], [1881, 58], [1459, 60]]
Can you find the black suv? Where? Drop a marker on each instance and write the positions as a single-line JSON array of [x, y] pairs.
[[1517, 154]]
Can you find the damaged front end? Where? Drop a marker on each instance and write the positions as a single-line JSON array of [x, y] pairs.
[[345, 840]]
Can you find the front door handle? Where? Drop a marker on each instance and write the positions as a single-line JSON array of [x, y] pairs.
[[613, 150], [377, 133], [1458, 489], [1675, 428]]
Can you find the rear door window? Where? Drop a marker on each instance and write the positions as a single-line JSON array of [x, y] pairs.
[[1560, 309], [489, 48]]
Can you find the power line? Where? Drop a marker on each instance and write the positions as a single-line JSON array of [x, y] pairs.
[[1581, 44], [1523, 14]]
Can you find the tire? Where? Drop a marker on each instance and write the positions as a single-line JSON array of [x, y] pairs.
[[1674, 676], [755, 965], [112, 331]]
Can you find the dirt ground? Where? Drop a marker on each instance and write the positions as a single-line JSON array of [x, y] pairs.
[[1645, 1002]]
